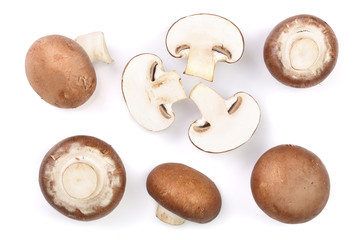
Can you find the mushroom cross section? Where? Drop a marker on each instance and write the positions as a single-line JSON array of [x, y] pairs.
[[225, 124], [149, 91], [204, 39]]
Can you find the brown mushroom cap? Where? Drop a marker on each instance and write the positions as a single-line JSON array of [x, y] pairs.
[[185, 192], [290, 184], [82, 177], [301, 51], [60, 71]]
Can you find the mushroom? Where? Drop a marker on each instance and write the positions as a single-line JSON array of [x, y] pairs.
[[301, 51], [82, 177], [183, 193], [225, 124], [60, 70], [204, 39], [149, 91], [290, 184]]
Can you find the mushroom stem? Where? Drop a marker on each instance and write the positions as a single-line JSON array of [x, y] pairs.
[[168, 217], [95, 46]]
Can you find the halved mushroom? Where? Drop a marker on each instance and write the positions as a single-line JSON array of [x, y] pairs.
[[301, 51], [225, 124], [82, 177], [204, 39], [149, 91], [290, 184], [60, 70], [183, 193]]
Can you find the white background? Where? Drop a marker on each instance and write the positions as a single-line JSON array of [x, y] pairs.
[[323, 119]]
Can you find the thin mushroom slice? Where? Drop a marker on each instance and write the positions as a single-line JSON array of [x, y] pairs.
[[204, 39], [225, 124], [82, 177], [95, 46], [150, 92]]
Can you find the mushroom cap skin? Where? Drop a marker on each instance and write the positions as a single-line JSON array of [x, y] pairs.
[[184, 191], [225, 124], [204, 39], [82, 177], [301, 51], [149, 91], [290, 184], [60, 71]]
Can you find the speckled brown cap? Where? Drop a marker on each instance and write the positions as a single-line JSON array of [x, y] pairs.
[[82, 177], [290, 184], [60, 71], [301, 51], [185, 192]]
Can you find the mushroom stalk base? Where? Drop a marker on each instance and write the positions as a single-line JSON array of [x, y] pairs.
[[168, 217], [95, 46]]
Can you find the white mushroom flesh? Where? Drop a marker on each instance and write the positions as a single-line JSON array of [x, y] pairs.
[[225, 124], [205, 40], [82, 179], [168, 217], [150, 92], [95, 46], [303, 50]]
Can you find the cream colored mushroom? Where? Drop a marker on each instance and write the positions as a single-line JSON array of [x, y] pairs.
[[204, 39], [150, 92], [225, 124]]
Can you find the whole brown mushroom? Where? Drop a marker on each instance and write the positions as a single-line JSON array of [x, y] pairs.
[[60, 69], [183, 193], [301, 51], [82, 177], [290, 184]]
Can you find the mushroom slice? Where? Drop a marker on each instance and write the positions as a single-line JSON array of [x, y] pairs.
[[149, 91], [82, 177], [183, 193], [301, 51], [204, 39], [95, 46], [226, 124], [60, 71]]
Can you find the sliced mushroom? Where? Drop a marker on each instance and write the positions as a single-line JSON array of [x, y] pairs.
[[183, 193], [60, 70], [225, 124], [82, 177], [301, 51], [290, 184], [149, 91], [204, 39]]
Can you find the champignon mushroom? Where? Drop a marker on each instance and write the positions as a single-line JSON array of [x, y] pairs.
[[301, 51], [204, 39], [225, 124], [290, 184], [82, 177], [149, 91], [60, 70], [183, 193]]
